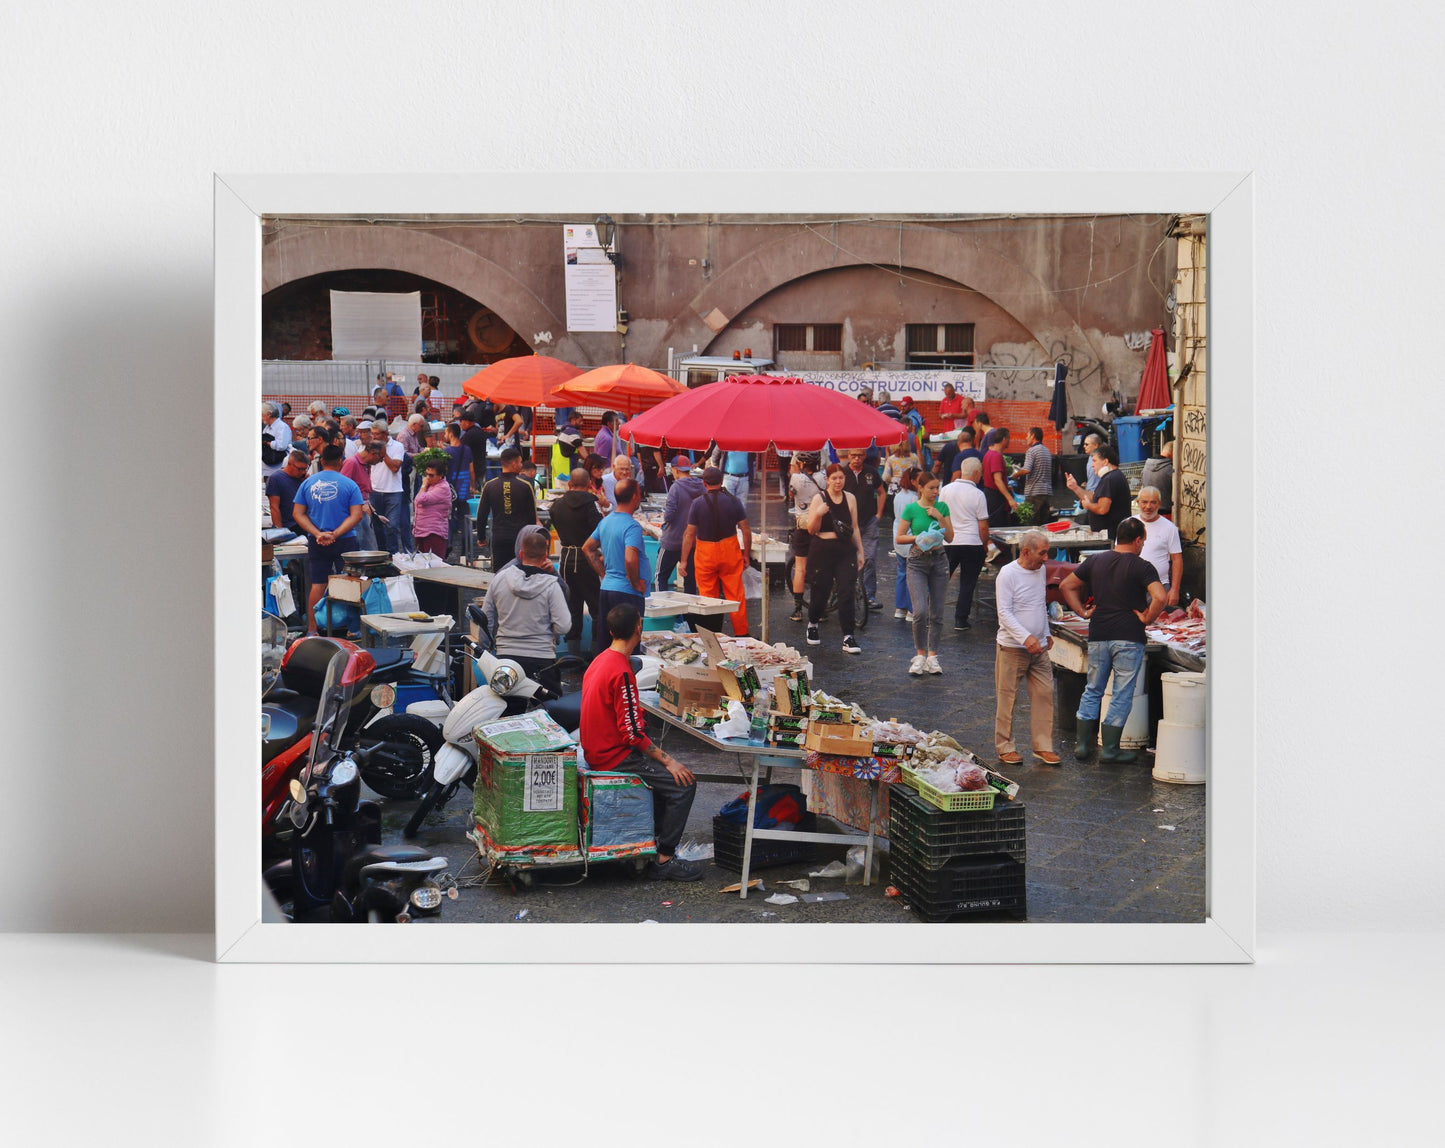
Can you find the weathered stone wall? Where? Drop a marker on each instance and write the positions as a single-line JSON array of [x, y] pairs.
[[1190, 385], [1084, 289]]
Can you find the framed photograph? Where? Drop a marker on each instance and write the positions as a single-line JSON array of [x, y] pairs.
[[354, 298]]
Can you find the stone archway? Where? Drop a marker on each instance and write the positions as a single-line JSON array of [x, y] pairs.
[[959, 256], [316, 250]]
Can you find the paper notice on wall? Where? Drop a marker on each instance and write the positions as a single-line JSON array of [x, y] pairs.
[[591, 280], [376, 325], [543, 793]]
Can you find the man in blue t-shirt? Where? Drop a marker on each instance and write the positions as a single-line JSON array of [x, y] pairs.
[[281, 489], [327, 509], [616, 550]]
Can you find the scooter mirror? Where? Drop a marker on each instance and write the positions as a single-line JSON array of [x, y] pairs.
[[265, 726], [297, 813], [298, 793]]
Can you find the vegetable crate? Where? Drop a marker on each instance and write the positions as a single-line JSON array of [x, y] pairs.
[[949, 802], [968, 887], [931, 838], [728, 841]]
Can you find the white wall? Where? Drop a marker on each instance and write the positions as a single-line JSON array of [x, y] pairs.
[[115, 117]]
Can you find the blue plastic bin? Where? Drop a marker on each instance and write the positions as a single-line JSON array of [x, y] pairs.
[[1129, 432]]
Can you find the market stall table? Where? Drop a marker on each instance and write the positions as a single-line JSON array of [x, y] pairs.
[[1072, 541], [779, 757], [389, 626], [466, 580]]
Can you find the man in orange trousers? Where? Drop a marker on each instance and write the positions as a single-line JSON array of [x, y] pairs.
[[710, 542]]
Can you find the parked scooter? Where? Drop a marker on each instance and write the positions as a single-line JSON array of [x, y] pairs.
[[336, 868], [505, 690]]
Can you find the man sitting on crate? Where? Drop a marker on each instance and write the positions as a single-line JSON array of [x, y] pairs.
[[614, 738]]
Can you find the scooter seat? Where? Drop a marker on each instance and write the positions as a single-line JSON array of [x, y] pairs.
[[374, 854], [566, 711], [391, 665]]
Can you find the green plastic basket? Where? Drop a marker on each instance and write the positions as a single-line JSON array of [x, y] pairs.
[[949, 802]]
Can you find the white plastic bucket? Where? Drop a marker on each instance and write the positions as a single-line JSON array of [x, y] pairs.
[[1136, 729], [1184, 695], [1179, 753]]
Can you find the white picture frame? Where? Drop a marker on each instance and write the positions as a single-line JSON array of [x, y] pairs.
[[1227, 935]]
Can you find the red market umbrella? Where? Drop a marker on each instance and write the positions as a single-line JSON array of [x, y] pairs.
[[753, 412], [523, 381], [1154, 388], [627, 388]]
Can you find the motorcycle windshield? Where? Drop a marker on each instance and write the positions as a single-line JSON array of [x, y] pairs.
[[273, 648], [330, 715]]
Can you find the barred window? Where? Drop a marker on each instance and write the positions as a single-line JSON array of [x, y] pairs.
[[932, 345], [807, 337]]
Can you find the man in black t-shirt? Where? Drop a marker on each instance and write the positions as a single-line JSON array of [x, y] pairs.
[[862, 480], [508, 501], [1108, 504], [475, 438], [1127, 596]]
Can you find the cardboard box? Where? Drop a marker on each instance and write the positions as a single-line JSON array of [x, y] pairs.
[[525, 799], [739, 681], [703, 718], [711, 648], [346, 588], [788, 722], [790, 693], [683, 688], [787, 739], [839, 740]]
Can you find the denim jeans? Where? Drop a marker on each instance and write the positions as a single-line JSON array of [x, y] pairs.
[[365, 535], [737, 486], [968, 560], [901, 600], [389, 505], [1125, 660], [868, 532], [927, 584]]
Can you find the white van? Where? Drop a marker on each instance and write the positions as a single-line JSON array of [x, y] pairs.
[[699, 370]]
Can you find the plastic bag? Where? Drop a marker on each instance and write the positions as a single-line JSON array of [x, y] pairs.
[[752, 582], [401, 590], [376, 600], [736, 724], [971, 779], [280, 588]]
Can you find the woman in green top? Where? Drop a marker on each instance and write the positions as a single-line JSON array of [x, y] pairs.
[[927, 569]]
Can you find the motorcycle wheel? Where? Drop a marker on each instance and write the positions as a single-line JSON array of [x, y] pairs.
[[435, 797], [413, 742]]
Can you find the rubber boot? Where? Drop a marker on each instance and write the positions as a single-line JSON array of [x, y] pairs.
[[1086, 737], [1111, 751]]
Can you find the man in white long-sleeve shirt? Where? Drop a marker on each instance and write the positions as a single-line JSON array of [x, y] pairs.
[[1022, 654]]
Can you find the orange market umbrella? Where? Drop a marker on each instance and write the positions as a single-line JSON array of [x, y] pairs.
[[626, 388], [523, 381]]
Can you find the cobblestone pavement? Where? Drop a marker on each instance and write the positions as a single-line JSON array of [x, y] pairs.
[[1104, 842]]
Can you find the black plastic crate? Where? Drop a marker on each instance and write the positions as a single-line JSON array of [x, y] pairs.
[[932, 838], [728, 840], [984, 884]]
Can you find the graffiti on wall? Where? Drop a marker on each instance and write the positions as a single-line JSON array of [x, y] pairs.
[[1085, 369]]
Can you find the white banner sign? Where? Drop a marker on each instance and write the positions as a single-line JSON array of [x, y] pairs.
[[920, 386], [590, 279], [376, 325]]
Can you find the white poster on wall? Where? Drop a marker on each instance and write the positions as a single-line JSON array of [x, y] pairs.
[[591, 280], [376, 325]]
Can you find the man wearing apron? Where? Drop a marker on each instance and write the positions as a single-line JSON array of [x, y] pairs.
[[711, 544]]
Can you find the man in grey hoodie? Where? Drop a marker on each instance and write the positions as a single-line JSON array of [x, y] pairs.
[[685, 487], [527, 609]]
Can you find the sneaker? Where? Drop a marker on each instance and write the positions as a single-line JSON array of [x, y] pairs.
[[872, 605], [930, 665], [962, 626], [813, 639], [675, 870], [909, 617], [796, 615], [898, 615], [850, 646], [915, 667]]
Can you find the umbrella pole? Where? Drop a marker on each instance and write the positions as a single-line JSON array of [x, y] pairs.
[[763, 523]]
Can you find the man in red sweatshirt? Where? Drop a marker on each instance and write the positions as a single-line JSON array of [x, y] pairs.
[[614, 738]]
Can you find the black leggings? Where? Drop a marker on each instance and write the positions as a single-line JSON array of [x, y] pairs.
[[831, 560]]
